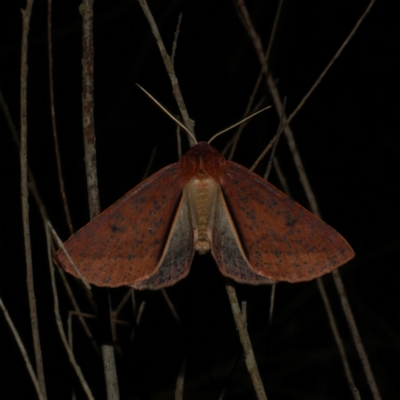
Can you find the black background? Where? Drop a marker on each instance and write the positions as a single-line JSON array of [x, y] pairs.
[[347, 135]]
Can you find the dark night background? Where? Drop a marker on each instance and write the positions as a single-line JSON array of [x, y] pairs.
[[347, 135]]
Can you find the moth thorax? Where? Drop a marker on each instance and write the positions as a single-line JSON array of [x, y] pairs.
[[202, 195]]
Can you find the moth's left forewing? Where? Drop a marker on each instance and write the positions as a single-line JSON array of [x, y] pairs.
[[281, 240]]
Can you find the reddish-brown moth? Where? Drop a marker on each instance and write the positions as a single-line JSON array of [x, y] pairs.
[[256, 234]]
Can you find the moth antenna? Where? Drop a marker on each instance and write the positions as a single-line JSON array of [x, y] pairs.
[[238, 123], [168, 113]]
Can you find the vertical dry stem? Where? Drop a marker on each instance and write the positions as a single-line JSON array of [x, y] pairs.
[[22, 349], [169, 66], [180, 381], [26, 15], [249, 357], [67, 346], [53, 119], [86, 10], [110, 372], [356, 337]]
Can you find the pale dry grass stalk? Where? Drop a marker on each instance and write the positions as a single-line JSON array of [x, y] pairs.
[[58, 319], [331, 62], [22, 349], [53, 119], [26, 16], [259, 78], [86, 10], [180, 381], [170, 305], [110, 372], [35, 193], [169, 66], [249, 358], [356, 337]]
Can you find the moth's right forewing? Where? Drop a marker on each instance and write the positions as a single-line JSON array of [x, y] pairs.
[[125, 243]]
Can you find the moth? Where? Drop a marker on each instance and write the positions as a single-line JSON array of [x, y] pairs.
[[204, 203]]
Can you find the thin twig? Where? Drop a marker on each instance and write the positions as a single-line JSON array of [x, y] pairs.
[[336, 334], [149, 164], [33, 190], [64, 340], [222, 395], [180, 381], [272, 36], [189, 123], [31, 180], [62, 247], [170, 305], [356, 336], [86, 10], [53, 119], [263, 70], [110, 372], [249, 357], [122, 303], [281, 176], [263, 153], [175, 42], [139, 314], [173, 53], [26, 16], [272, 303], [278, 103], [246, 112], [178, 141], [293, 147], [22, 350], [81, 316], [331, 62]]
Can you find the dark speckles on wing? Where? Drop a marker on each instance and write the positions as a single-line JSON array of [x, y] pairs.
[[227, 248], [281, 239], [117, 229], [290, 221], [178, 252], [124, 243], [130, 257]]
